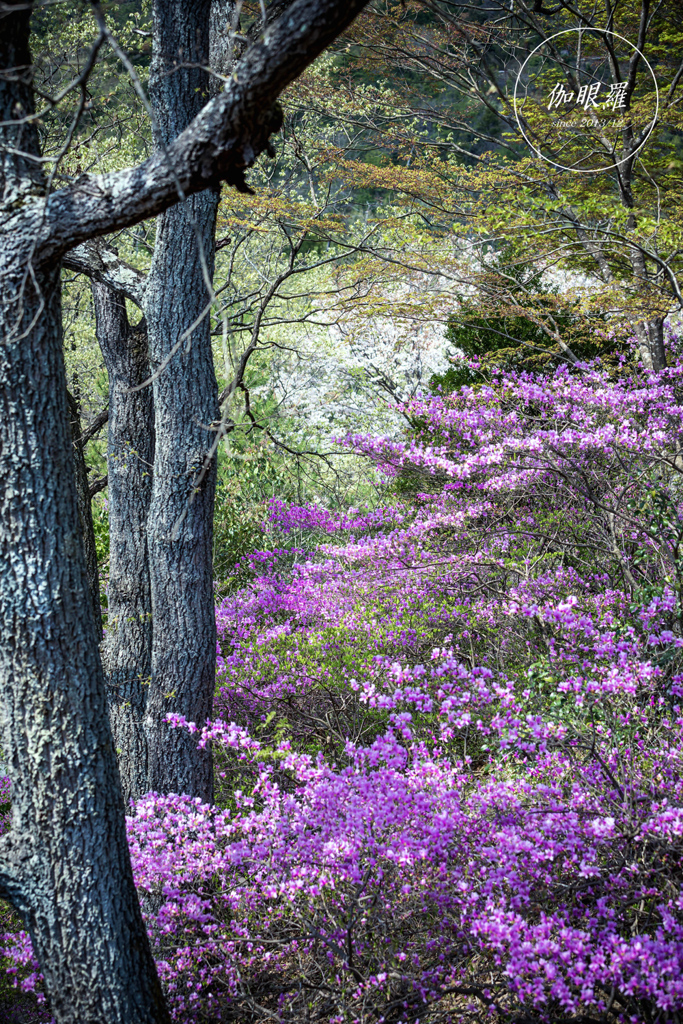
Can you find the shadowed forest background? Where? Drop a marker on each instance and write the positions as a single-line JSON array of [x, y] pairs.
[[378, 453]]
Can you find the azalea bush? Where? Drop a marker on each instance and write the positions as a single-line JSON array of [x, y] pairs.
[[448, 733]]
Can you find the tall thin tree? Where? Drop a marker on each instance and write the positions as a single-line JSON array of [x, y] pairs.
[[180, 524], [130, 458]]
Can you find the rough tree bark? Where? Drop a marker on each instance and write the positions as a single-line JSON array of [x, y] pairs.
[[130, 454], [65, 864], [180, 524], [127, 650]]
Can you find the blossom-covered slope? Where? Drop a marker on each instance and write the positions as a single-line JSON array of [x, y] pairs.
[[448, 733]]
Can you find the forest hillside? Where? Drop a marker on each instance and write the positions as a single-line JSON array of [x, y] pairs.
[[341, 512]]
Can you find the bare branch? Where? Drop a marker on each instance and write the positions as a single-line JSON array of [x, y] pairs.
[[98, 485], [94, 428]]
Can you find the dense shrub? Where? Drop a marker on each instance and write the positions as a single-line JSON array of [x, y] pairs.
[[449, 734]]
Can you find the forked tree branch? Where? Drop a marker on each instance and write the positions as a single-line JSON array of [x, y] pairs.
[[94, 428], [100, 262], [219, 145]]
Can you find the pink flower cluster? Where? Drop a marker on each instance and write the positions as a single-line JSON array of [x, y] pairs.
[[449, 737]]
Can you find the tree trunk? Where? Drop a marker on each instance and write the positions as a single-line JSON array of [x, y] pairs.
[[65, 864], [130, 454], [85, 513], [180, 525]]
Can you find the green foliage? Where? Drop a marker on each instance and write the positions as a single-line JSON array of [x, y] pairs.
[[100, 522], [517, 320], [237, 531], [250, 472], [100, 518]]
